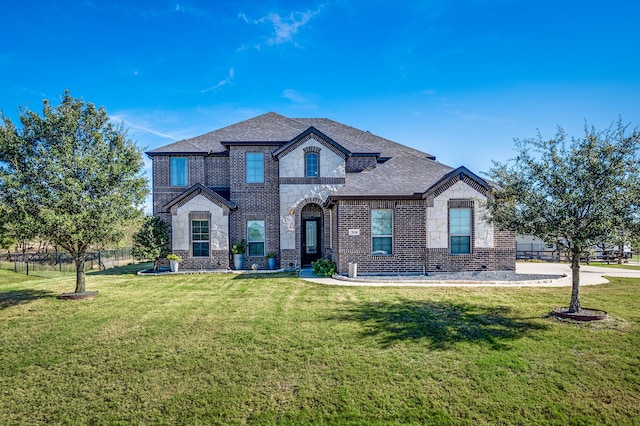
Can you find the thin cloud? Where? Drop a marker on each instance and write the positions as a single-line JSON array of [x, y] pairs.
[[142, 127], [221, 83], [283, 28], [294, 96]]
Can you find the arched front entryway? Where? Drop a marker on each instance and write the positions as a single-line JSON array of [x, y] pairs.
[[311, 233]]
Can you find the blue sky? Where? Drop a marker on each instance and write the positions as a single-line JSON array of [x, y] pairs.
[[458, 79]]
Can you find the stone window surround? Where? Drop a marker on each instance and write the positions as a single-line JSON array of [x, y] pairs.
[[461, 204], [386, 236], [186, 170], [196, 215], [312, 150]]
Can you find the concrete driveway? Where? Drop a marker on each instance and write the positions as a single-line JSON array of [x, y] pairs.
[[589, 275]]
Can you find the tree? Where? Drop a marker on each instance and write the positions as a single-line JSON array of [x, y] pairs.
[[152, 240], [71, 174], [573, 193]]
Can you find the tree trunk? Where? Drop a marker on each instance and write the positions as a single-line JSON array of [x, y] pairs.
[[80, 277], [575, 283]]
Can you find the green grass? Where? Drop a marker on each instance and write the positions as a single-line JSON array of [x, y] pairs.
[[615, 265], [226, 349]]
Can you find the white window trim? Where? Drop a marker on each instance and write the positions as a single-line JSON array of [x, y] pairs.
[[381, 236]]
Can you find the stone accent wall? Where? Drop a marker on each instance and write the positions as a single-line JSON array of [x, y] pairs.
[[292, 165], [438, 217], [292, 199], [297, 191], [199, 207], [256, 201]]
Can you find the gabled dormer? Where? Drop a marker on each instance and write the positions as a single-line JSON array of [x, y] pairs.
[[311, 155]]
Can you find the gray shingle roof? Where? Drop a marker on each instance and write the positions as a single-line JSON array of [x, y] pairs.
[[404, 174], [407, 172], [273, 127]]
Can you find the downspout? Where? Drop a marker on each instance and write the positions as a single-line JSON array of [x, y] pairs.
[[331, 230]]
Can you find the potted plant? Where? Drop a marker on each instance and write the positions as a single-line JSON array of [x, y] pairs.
[[237, 250], [271, 258], [174, 259]]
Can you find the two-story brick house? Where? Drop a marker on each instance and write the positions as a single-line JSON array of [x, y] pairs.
[[308, 188]]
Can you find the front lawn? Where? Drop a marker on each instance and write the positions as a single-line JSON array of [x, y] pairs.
[[225, 349]]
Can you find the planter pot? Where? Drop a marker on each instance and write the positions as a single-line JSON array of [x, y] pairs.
[[174, 265], [237, 261], [272, 263]]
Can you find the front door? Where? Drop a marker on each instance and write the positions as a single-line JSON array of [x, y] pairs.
[[311, 250]]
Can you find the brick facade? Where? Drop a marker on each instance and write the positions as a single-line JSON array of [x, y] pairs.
[[409, 253], [256, 201], [420, 239]]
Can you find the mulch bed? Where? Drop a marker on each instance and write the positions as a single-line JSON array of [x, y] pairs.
[[584, 314]]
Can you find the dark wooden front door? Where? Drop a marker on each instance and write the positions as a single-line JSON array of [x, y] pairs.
[[311, 249]]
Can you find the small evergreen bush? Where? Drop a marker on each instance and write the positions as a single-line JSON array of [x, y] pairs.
[[324, 267]]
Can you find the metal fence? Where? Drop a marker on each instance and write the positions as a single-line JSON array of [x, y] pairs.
[[62, 263]]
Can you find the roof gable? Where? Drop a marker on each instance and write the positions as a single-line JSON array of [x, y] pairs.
[[277, 129], [459, 174], [309, 134], [199, 189]]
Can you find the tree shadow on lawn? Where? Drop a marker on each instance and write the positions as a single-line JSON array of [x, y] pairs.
[[16, 297], [123, 270], [443, 324]]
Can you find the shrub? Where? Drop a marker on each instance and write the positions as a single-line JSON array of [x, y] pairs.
[[239, 247], [174, 257], [324, 267]]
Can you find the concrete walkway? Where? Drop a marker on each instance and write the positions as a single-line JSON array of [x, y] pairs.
[[589, 275]]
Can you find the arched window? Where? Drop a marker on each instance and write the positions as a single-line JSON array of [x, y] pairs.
[[311, 164]]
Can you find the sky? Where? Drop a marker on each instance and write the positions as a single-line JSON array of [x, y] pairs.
[[459, 79]]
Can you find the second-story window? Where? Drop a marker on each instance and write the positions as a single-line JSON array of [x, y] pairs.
[[255, 167], [179, 171], [311, 164]]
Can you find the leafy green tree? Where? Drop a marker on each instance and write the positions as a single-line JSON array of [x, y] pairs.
[[72, 175], [573, 193], [152, 240]]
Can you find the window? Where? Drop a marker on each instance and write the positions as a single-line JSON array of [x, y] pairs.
[[179, 172], [311, 164], [460, 231], [255, 167], [200, 237], [255, 237], [381, 231]]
